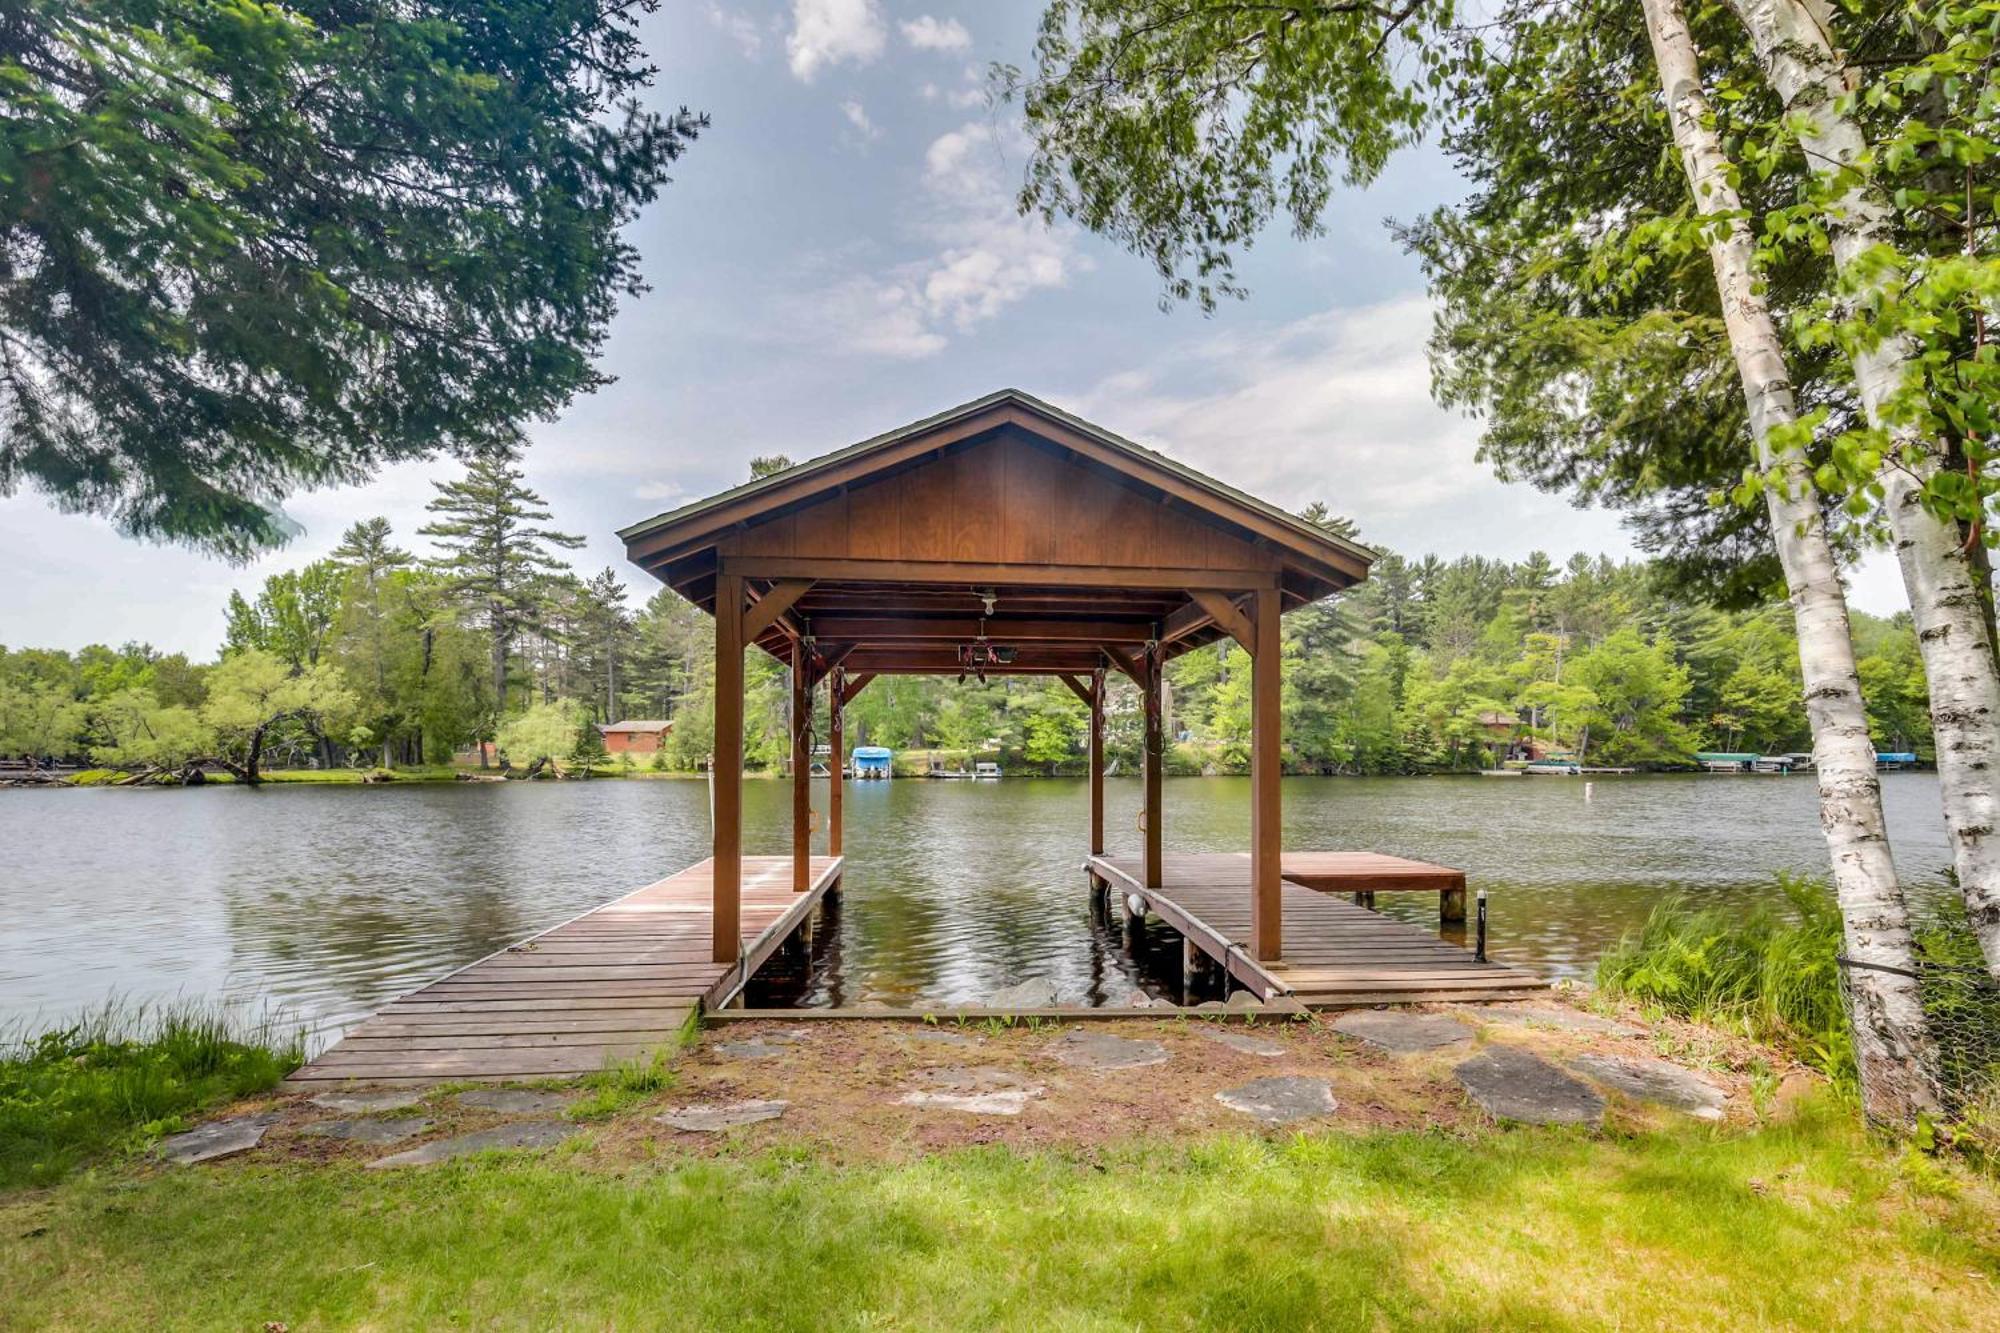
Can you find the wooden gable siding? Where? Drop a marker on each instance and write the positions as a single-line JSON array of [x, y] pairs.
[[1008, 499]]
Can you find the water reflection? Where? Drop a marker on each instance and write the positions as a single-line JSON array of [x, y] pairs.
[[328, 901]]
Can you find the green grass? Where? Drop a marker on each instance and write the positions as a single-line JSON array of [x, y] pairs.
[[1802, 1225], [1767, 971], [118, 1077], [1772, 973]]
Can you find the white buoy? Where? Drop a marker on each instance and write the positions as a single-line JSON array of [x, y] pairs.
[[1589, 789]]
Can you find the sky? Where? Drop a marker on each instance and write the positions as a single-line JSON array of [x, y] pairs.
[[840, 254]]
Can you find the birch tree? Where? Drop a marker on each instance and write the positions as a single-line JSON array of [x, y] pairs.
[[1181, 129], [1887, 1016], [1794, 46]]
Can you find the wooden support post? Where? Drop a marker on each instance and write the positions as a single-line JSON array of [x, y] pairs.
[[1097, 762], [1451, 905], [726, 771], [836, 707], [1266, 807], [1155, 746], [802, 697]]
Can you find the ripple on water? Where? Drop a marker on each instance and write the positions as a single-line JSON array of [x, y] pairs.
[[325, 902]]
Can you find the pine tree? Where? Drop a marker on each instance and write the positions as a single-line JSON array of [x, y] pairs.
[[496, 551], [366, 550], [607, 635]]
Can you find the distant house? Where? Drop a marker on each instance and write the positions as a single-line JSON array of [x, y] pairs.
[[635, 737]]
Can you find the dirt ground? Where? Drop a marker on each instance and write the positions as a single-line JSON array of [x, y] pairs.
[[844, 1082]]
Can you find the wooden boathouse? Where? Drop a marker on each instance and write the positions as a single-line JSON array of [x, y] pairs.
[[1003, 536]]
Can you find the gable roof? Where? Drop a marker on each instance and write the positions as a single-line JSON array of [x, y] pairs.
[[762, 495]]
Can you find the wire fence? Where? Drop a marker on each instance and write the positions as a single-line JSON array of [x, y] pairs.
[[1962, 1012]]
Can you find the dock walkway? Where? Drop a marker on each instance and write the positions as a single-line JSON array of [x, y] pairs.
[[1335, 954], [610, 984]]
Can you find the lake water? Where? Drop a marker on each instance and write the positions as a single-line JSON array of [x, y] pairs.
[[323, 902]]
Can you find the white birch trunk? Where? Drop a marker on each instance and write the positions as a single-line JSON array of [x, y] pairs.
[[1890, 1042], [1794, 44]]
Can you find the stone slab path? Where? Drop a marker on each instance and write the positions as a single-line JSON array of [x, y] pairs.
[[1548, 1016], [514, 1101], [524, 1134], [367, 1102], [369, 1129], [1281, 1101], [1401, 1031], [1512, 1084], [1101, 1051], [1658, 1081], [714, 1118], [972, 1091], [217, 1138]]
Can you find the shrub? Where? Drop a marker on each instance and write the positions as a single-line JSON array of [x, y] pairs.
[[118, 1077], [1770, 971]]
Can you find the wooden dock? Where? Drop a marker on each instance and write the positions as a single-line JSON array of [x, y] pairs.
[[1335, 953], [610, 984]]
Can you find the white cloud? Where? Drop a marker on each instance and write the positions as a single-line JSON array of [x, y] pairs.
[[857, 116], [666, 492], [739, 28], [1337, 407], [971, 91], [828, 32], [984, 257], [932, 34]]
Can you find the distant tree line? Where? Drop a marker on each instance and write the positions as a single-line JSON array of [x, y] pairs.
[[494, 649]]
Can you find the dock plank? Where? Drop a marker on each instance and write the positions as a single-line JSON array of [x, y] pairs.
[[611, 984], [1334, 953]]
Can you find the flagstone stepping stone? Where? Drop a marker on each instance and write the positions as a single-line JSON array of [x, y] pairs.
[[217, 1138], [1281, 1101], [1103, 1051], [522, 1134], [1658, 1081], [1394, 1030], [1242, 999], [366, 1102], [763, 1046], [513, 1101], [1034, 993], [1243, 1042], [1512, 1084], [1548, 1016], [974, 1091], [713, 1118], [369, 1129]]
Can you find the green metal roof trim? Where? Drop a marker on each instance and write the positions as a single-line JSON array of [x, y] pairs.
[[802, 471]]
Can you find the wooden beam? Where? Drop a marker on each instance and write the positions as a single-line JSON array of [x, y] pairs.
[[1266, 808], [1228, 615], [854, 685], [980, 572], [1128, 664], [830, 658], [1097, 762], [961, 629], [1078, 688], [836, 707], [1155, 767], [801, 770], [771, 605], [726, 772]]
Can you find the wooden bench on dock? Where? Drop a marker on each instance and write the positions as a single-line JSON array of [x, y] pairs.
[[611, 984], [1336, 954]]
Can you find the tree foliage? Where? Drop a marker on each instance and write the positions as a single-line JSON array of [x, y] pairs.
[[249, 248]]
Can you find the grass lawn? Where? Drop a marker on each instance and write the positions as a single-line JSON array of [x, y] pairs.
[[1803, 1224]]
